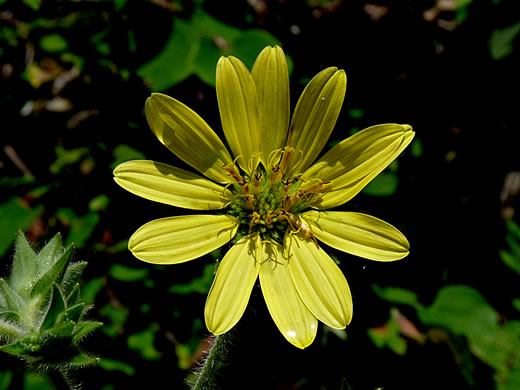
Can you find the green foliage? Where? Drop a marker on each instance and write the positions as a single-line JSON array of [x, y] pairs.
[[199, 285], [388, 335], [34, 4], [41, 313], [15, 214], [143, 343], [416, 148], [53, 43], [195, 46], [464, 312], [128, 274], [124, 153], [67, 157], [501, 41], [511, 257], [398, 295], [80, 227], [113, 365], [384, 184]]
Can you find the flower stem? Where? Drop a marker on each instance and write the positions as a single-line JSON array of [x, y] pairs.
[[215, 362]]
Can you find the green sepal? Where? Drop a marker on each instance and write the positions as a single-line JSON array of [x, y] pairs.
[[49, 253], [83, 360], [26, 346], [9, 330], [9, 315], [71, 276], [84, 328], [74, 296], [56, 306], [13, 302], [75, 312], [63, 330], [54, 274], [75, 359], [25, 265]]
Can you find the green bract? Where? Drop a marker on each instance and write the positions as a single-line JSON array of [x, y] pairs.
[[41, 312]]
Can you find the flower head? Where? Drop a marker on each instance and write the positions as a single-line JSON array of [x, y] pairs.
[[272, 195]]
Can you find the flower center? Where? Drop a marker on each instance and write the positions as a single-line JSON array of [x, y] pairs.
[[269, 201]]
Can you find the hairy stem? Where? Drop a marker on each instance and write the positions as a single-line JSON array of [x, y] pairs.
[[215, 362]]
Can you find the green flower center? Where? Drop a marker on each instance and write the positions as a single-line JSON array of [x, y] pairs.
[[269, 201]]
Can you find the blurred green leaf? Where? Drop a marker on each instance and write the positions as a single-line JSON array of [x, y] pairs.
[[516, 303], [512, 257], [196, 45], [397, 295], [510, 260], [510, 381], [38, 191], [118, 316], [80, 228], [6, 181], [127, 274], [124, 153], [66, 157], [461, 13], [33, 381], [5, 379], [143, 343], [15, 215], [461, 309], [513, 229], [53, 43], [114, 365], [132, 45], [501, 41], [78, 61], [251, 42], [356, 113], [91, 289], [120, 4], [184, 356], [388, 335], [416, 148], [99, 203], [103, 48], [34, 4], [384, 184], [174, 63], [199, 285]]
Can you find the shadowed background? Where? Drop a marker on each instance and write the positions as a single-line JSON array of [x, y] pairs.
[[74, 79]]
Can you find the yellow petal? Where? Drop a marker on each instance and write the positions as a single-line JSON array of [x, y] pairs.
[[229, 294], [358, 234], [178, 239], [239, 109], [315, 116], [353, 163], [170, 185], [297, 324], [319, 282], [186, 134], [271, 78]]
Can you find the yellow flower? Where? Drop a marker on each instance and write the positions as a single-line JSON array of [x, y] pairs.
[[273, 199]]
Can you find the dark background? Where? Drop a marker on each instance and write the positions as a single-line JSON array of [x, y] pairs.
[[433, 65]]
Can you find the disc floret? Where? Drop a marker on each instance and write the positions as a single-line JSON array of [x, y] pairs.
[[268, 201]]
